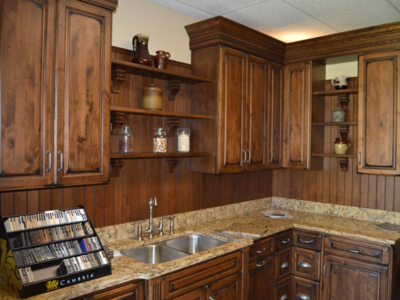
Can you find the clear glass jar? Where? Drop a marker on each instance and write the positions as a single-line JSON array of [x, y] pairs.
[[183, 140], [160, 140], [125, 140]]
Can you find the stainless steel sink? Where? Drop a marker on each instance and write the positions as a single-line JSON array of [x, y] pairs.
[[153, 254], [193, 243]]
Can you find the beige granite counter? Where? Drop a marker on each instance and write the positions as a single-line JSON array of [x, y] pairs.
[[236, 218]]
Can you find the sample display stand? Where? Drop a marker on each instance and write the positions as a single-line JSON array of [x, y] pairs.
[[46, 273]]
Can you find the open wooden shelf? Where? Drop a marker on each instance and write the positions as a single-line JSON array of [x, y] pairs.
[[133, 68], [333, 123], [156, 113], [335, 92], [158, 155], [334, 155]]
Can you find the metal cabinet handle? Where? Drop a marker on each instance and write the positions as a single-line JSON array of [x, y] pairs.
[[49, 154], [272, 156], [245, 156], [325, 269], [285, 265], [249, 161], [210, 298], [354, 251], [286, 242], [306, 242], [260, 265], [284, 297], [359, 158], [261, 251], [61, 161], [303, 297], [304, 264]]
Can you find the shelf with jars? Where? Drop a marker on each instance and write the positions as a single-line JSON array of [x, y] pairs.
[[336, 98]]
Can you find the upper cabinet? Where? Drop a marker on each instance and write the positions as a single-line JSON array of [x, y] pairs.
[[296, 126], [379, 113], [54, 93]]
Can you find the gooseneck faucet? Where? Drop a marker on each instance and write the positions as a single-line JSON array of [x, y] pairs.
[[151, 230]]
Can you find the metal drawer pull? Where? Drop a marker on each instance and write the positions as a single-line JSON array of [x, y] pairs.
[[286, 242], [49, 154], [325, 269], [378, 254], [284, 297], [61, 161], [354, 251], [306, 242], [245, 156], [261, 251], [285, 265], [249, 161], [210, 298], [272, 156], [260, 265], [303, 297], [304, 264]]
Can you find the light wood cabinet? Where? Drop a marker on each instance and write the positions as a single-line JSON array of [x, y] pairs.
[[296, 122], [378, 113], [55, 89]]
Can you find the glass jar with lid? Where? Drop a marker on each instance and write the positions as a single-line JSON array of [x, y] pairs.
[[125, 140], [159, 140], [183, 140]]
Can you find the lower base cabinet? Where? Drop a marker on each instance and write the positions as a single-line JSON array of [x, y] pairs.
[[283, 289], [304, 289], [350, 279], [261, 279], [133, 290]]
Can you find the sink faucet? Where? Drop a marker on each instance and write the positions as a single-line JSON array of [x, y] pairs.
[[151, 230]]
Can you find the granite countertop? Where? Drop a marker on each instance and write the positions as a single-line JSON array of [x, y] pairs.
[[125, 269]]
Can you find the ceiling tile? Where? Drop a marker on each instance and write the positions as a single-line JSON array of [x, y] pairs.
[[280, 20], [219, 7], [183, 8], [345, 15]]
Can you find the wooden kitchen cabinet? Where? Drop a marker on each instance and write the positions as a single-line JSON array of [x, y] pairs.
[[296, 120], [133, 290], [229, 288], [379, 113], [350, 279], [195, 295], [55, 88], [261, 276]]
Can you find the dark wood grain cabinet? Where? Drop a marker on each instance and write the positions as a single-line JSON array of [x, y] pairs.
[[133, 290], [378, 113], [55, 89], [297, 121], [261, 276]]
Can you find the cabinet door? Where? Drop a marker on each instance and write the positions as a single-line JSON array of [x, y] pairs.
[[196, 295], [261, 279], [349, 279], [257, 114], [26, 92], [229, 288], [297, 116], [283, 289], [276, 115], [303, 289], [378, 113], [83, 90], [231, 92], [126, 291]]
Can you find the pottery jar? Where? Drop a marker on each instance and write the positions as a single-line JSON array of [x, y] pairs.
[[140, 50], [152, 98], [338, 115], [341, 146], [161, 59]]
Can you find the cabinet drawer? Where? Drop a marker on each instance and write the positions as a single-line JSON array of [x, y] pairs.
[[284, 240], [303, 289], [306, 263], [190, 279], [283, 264], [130, 290], [307, 240], [262, 248], [283, 289], [358, 250]]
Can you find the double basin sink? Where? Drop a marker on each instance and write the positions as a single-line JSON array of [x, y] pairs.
[[172, 249]]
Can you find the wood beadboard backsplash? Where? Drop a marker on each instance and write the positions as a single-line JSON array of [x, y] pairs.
[[331, 185], [125, 198]]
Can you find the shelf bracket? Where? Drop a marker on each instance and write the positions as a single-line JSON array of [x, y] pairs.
[[174, 86], [344, 131], [117, 120], [344, 101], [118, 77], [344, 164], [116, 166], [173, 125], [172, 163]]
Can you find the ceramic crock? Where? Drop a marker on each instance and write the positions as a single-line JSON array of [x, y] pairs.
[[339, 82], [152, 98], [341, 146], [338, 115], [161, 59]]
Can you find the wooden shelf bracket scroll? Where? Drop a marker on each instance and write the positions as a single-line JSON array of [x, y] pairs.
[[174, 86], [172, 163], [173, 125], [344, 100], [118, 77], [344, 164], [117, 120], [116, 166]]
